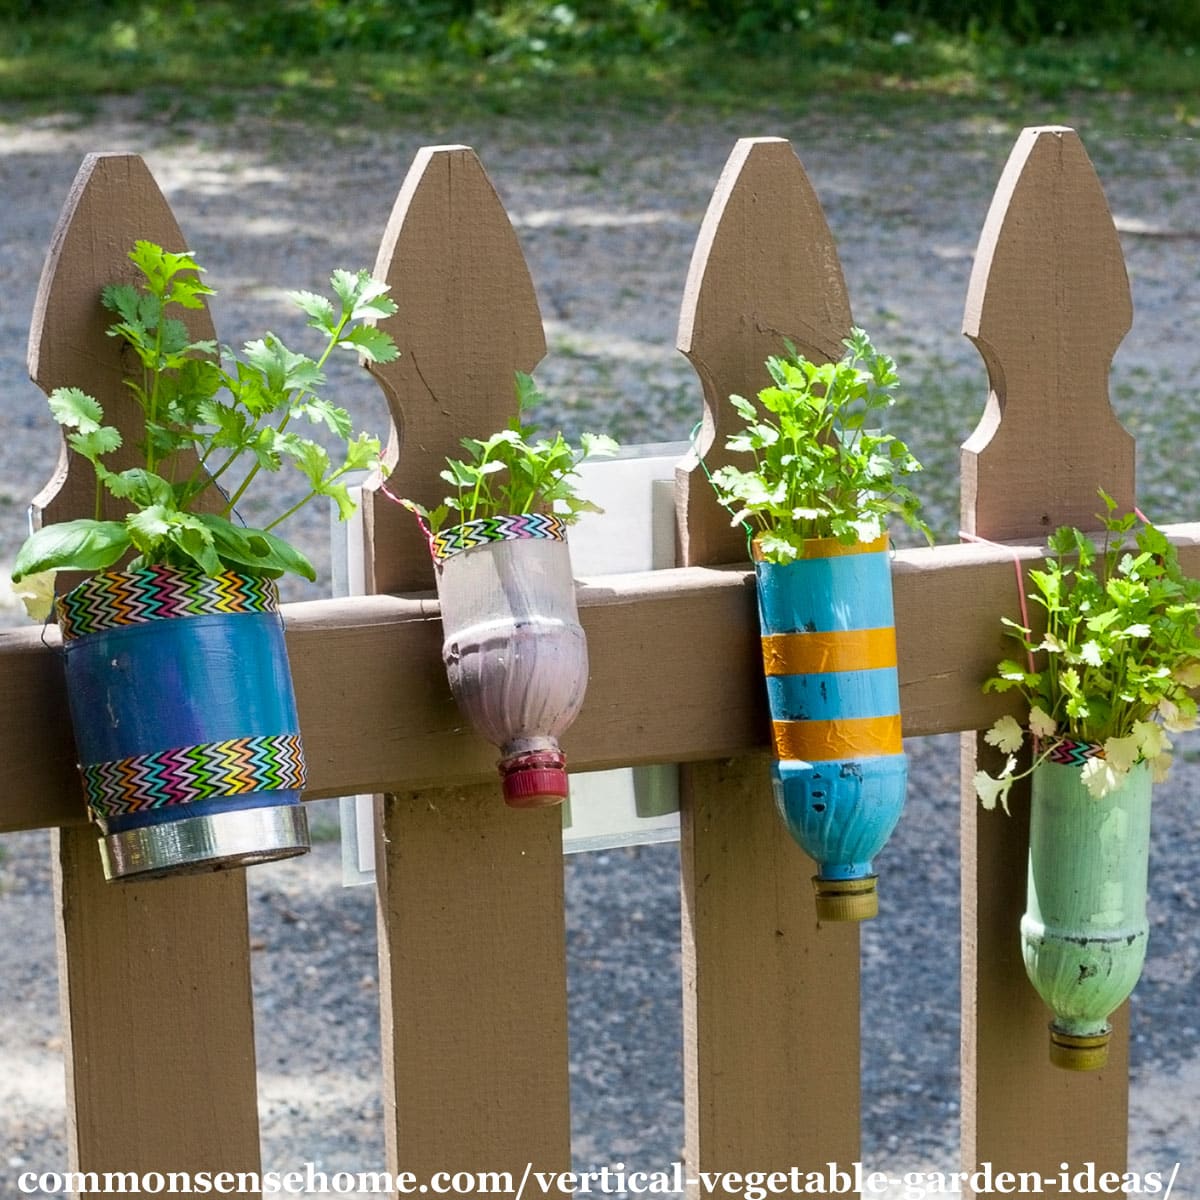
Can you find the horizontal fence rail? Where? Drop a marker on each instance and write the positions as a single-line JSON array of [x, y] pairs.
[[471, 922], [378, 716]]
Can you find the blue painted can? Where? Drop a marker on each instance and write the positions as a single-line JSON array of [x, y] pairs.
[[185, 719], [829, 654]]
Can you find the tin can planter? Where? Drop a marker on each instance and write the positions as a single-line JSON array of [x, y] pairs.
[[1084, 932], [829, 655], [514, 650], [185, 720]]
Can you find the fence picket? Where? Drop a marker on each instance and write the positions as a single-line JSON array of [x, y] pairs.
[[765, 268], [468, 319], [472, 934], [1047, 306], [155, 977], [770, 996]]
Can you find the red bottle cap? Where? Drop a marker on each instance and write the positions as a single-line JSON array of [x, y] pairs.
[[534, 780]]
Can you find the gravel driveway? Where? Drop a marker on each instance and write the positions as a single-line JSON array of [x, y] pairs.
[[607, 214]]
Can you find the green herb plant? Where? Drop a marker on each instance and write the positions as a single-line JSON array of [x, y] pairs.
[[819, 471], [1119, 652], [235, 414], [514, 472]]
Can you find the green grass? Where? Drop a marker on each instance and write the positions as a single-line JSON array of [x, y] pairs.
[[213, 61]]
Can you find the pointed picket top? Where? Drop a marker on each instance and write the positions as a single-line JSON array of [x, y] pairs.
[[468, 319], [765, 268], [1047, 306], [113, 202]]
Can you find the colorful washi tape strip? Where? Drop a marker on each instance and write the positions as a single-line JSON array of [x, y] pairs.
[[117, 598], [497, 529], [191, 773], [1069, 753]]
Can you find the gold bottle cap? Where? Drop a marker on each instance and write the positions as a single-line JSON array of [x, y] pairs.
[[1075, 1053], [846, 899]]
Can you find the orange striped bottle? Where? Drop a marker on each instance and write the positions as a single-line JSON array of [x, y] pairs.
[[829, 654]]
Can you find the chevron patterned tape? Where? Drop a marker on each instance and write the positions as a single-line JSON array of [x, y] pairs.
[[191, 773], [1068, 753], [116, 598], [497, 529]]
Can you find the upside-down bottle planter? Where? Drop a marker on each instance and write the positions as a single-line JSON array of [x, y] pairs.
[[514, 650], [185, 720], [829, 654], [1084, 932]]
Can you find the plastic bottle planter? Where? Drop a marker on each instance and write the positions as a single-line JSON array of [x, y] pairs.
[[514, 650], [829, 653], [185, 721], [1084, 931]]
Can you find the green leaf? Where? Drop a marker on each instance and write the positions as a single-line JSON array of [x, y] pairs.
[[148, 528], [528, 395], [373, 344], [312, 460], [745, 408], [318, 308], [190, 536], [82, 545], [778, 548], [123, 299], [338, 493], [75, 409], [95, 443], [362, 454], [361, 295], [258, 549], [318, 411], [143, 487], [282, 370]]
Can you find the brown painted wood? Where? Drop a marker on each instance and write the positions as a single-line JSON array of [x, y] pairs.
[[383, 654], [771, 1032], [765, 269], [158, 1024], [756, 965], [472, 932], [1047, 307], [154, 978], [468, 318], [473, 1005]]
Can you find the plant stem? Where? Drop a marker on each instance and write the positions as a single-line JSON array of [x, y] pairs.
[[298, 505], [156, 376], [315, 492]]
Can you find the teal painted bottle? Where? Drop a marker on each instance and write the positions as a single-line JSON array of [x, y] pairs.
[[1084, 932], [829, 655]]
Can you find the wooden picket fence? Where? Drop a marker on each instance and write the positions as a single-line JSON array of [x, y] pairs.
[[471, 926]]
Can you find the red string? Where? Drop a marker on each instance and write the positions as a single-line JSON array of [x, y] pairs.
[[416, 512]]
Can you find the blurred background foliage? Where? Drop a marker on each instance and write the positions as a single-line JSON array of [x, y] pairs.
[[405, 53]]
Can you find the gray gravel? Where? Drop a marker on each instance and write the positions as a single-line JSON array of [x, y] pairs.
[[607, 215]]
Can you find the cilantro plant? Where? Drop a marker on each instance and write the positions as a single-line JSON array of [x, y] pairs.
[[513, 472], [1119, 652], [236, 415], [819, 472]]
